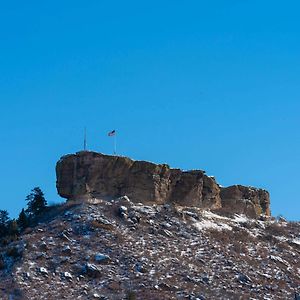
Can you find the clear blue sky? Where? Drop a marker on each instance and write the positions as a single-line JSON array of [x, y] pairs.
[[213, 85]]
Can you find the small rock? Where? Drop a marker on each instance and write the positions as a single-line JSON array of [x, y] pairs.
[[122, 212], [167, 233], [96, 296], [43, 246], [123, 198], [166, 225], [43, 271], [242, 278], [123, 209], [66, 250], [141, 268], [205, 279], [91, 270], [134, 217], [65, 237], [99, 257], [68, 275]]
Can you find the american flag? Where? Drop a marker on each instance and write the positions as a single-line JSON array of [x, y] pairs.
[[112, 133]]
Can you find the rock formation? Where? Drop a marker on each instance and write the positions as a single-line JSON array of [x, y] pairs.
[[247, 200], [94, 175]]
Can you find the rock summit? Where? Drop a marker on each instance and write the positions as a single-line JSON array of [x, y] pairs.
[[87, 175]]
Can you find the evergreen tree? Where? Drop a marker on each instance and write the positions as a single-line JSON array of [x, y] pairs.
[[13, 229], [23, 220], [36, 202], [3, 222]]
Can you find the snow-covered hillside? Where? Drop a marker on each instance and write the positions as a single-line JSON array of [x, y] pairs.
[[121, 250]]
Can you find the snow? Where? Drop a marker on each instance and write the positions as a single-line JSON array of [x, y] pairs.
[[219, 222], [240, 218], [278, 259], [207, 224], [282, 238], [296, 241], [208, 214]]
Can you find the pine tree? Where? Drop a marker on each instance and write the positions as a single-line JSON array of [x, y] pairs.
[[4, 218], [23, 220], [13, 229], [36, 202]]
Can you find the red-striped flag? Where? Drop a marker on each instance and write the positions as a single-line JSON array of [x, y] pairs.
[[112, 133]]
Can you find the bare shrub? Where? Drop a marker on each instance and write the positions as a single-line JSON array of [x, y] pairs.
[[275, 229], [262, 251], [99, 224], [239, 247], [219, 235]]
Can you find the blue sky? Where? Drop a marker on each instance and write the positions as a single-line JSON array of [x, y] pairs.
[[212, 85]]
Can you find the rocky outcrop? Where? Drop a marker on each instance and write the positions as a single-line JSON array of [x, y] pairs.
[[247, 200], [94, 175]]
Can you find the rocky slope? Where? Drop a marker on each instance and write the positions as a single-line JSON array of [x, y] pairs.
[[119, 249], [94, 175]]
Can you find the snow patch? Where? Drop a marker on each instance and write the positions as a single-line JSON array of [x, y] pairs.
[[296, 241], [207, 224], [240, 218]]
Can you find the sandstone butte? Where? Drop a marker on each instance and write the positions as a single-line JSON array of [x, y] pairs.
[[87, 174]]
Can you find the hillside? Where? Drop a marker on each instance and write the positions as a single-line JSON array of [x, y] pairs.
[[137, 230], [118, 249]]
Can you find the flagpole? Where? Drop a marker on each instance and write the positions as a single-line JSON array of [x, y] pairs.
[[115, 144], [113, 134], [84, 142]]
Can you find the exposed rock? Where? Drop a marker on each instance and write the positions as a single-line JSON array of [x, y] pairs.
[[242, 278], [43, 271], [87, 175], [245, 200], [91, 270], [96, 175], [99, 257], [123, 211], [66, 250], [68, 276]]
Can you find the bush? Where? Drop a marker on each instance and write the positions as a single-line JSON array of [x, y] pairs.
[[2, 263], [275, 229], [14, 252]]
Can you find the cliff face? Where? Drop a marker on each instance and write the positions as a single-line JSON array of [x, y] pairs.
[[247, 200], [90, 174]]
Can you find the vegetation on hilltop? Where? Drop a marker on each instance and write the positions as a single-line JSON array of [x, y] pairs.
[[10, 229]]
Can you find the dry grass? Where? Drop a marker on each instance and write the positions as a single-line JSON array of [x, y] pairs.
[[99, 225], [275, 229]]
